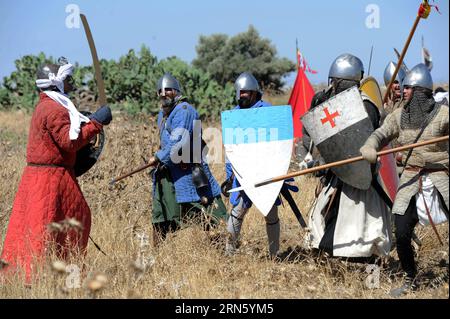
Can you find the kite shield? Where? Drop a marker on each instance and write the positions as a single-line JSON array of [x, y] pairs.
[[258, 144], [388, 170], [339, 127]]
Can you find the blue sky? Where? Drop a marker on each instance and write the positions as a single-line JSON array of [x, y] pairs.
[[324, 28]]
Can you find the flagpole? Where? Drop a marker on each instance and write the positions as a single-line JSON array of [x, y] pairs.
[[304, 94], [303, 84], [422, 52]]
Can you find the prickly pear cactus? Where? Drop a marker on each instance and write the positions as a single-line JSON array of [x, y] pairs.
[[84, 99]]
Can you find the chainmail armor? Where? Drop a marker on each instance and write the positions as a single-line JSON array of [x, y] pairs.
[[340, 85], [418, 110]]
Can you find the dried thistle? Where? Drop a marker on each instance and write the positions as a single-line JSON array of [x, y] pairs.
[[96, 284], [73, 223], [55, 227], [63, 291], [102, 279], [138, 266], [311, 288], [59, 267]]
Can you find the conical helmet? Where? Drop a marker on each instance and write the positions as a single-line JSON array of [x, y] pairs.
[[247, 82], [419, 76], [347, 67], [168, 81]]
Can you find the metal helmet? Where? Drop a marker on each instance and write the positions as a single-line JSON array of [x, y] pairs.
[[247, 82], [419, 76], [168, 81], [45, 69], [347, 67], [389, 72], [62, 60]]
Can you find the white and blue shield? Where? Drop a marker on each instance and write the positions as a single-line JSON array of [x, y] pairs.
[[258, 144]]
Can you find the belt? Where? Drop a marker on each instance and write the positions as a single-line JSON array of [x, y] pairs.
[[422, 170], [48, 165]]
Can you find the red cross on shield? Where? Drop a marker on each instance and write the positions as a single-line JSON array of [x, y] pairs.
[[329, 117]]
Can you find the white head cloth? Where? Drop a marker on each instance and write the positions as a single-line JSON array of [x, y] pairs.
[[76, 118], [56, 80]]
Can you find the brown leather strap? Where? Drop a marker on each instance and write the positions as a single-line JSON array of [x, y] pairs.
[[422, 170]]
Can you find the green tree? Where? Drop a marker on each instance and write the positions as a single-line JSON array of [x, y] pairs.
[[130, 84], [19, 88], [225, 58], [19, 91], [208, 49], [205, 94]]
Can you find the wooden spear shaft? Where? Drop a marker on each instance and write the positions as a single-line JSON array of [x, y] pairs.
[[140, 169], [350, 160], [400, 60], [370, 60]]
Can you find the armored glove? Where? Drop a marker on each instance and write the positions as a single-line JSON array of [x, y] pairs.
[[306, 163], [102, 115], [369, 153]]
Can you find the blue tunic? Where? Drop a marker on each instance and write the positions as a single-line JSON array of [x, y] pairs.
[[176, 133]]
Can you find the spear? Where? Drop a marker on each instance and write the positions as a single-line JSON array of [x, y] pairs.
[[423, 13], [347, 161], [152, 163], [370, 61]]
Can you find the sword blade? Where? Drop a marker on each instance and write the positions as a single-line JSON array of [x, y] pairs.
[[237, 189], [287, 195], [95, 61]]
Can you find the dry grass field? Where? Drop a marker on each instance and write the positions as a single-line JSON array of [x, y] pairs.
[[190, 263]]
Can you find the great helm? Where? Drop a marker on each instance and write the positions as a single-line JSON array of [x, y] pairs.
[[389, 72], [347, 67], [419, 76], [168, 81], [246, 82]]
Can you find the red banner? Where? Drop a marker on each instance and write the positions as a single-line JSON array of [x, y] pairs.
[[300, 100]]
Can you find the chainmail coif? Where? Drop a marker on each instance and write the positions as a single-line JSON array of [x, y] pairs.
[[340, 85], [418, 110]]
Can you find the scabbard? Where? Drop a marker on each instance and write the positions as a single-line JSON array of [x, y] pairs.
[[288, 197]]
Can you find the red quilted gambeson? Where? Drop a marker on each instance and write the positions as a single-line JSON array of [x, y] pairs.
[[48, 191]]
